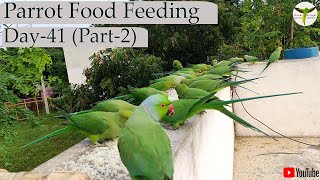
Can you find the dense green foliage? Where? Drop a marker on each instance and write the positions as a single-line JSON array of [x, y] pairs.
[[112, 71], [26, 64], [254, 27]]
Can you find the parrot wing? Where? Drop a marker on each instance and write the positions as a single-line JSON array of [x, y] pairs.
[[299, 10], [144, 158], [310, 10]]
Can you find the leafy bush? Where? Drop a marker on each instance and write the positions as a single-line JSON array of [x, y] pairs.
[[75, 98], [112, 71], [8, 116]]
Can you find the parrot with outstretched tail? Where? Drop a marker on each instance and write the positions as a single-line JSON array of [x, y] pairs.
[[184, 92], [143, 144], [96, 125], [109, 105], [273, 58], [174, 78], [162, 85], [185, 108], [305, 11]]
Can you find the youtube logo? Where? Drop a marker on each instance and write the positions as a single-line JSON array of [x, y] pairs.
[[288, 172]]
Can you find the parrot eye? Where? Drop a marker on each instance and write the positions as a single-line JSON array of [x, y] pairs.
[[162, 105]]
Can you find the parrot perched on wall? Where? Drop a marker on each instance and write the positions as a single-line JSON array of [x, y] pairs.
[[110, 105], [96, 125], [203, 67], [177, 64], [251, 59], [236, 59], [305, 11], [143, 144], [174, 78], [184, 92], [273, 58], [162, 85], [185, 108], [140, 94]]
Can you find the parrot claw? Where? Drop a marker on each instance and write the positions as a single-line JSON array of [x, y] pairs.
[[203, 112]]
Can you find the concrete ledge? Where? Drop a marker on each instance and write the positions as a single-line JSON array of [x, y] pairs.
[[296, 115], [203, 149]]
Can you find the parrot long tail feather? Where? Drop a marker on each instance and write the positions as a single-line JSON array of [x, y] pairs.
[[62, 116], [236, 75], [248, 89], [241, 121], [235, 83], [222, 103], [265, 68], [245, 109], [124, 97], [55, 133]]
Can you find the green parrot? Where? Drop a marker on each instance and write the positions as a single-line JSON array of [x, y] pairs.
[[186, 75], [174, 78], [196, 70], [251, 59], [222, 70], [186, 108], [224, 63], [236, 59], [214, 62], [96, 125], [273, 58], [140, 94], [143, 144], [184, 92], [305, 11], [207, 85], [217, 85], [189, 81], [109, 105], [177, 64], [203, 67], [162, 85]]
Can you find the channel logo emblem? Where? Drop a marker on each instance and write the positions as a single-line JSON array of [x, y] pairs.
[[288, 172]]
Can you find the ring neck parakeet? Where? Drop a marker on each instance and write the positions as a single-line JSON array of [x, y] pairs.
[[143, 144]]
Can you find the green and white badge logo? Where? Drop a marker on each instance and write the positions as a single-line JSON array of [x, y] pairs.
[[305, 14]]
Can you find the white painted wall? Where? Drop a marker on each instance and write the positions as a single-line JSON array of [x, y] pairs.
[[207, 152], [296, 115]]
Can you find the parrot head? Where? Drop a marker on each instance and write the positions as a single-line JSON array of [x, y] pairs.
[[158, 106], [279, 49]]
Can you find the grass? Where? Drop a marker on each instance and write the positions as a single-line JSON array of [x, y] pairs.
[[14, 160]]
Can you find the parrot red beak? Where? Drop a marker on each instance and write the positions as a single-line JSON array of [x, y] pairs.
[[170, 110]]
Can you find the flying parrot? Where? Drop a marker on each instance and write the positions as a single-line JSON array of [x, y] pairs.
[[184, 92], [251, 59], [177, 64], [305, 11], [186, 108], [273, 58], [162, 85], [96, 125], [143, 144]]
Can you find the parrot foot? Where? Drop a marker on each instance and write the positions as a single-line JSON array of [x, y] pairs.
[[168, 127], [203, 112]]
